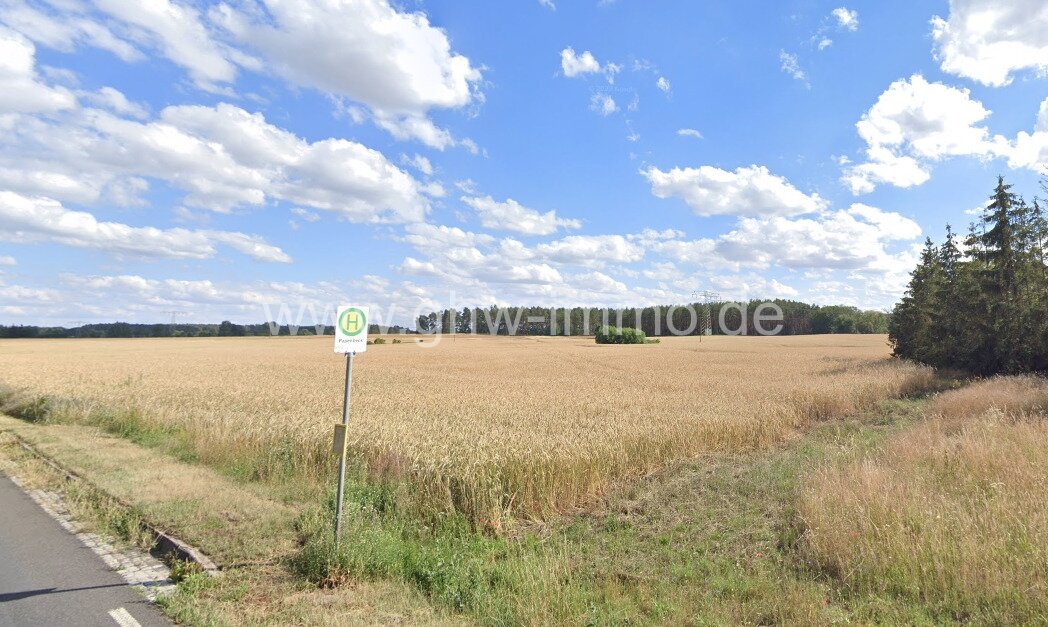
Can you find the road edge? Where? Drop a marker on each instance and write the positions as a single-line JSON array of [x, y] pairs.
[[163, 540]]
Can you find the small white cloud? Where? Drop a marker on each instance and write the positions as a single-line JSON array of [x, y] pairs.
[[415, 127], [847, 18], [116, 102], [603, 104], [689, 132], [418, 162], [471, 146], [664, 84], [436, 190], [468, 186], [578, 64], [825, 43], [305, 214], [548, 4], [7, 260], [791, 67]]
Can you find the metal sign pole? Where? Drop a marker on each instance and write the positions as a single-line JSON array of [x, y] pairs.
[[342, 456]]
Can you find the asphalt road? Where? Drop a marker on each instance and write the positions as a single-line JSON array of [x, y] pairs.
[[48, 577]]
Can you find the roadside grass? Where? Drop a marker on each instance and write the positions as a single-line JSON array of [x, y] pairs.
[[712, 540], [102, 513], [951, 513], [250, 535]]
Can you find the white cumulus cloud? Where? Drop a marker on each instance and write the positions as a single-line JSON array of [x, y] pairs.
[[573, 64], [748, 191], [28, 219], [603, 104], [989, 41], [846, 18], [913, 124], [512, 216]]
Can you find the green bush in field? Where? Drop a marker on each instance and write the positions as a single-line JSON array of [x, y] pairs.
[[615, 335]]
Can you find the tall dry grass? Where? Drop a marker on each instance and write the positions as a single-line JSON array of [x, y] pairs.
[[486, 426], [953, 512], [1016, 396]]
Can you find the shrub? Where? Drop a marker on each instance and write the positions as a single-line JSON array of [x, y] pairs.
[[615, 335], [379, 340]]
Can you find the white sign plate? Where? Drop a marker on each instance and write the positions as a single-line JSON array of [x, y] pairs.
[[351, 329]]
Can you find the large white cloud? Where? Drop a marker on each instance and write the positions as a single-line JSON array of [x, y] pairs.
[[28, 219], [179, 33], [916, 123], [363, 49], [1030, 150], [929, 120], [913, 123], [853, 238], [67, 30], [748, 191], [510, 215], [80, 298], [20, 89], [590, 250], [989, 41], [223, 157], [396, 63]]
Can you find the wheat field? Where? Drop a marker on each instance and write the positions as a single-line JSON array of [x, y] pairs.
[[495, 428]]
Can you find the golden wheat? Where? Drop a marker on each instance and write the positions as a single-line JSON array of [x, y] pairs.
[[487, 426]]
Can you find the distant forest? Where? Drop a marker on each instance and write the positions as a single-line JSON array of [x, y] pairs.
[[127, 329], [798, 319], [980, 303]]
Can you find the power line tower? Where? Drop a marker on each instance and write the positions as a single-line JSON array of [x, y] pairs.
[[708, 298], [174, 315], [76, 324]]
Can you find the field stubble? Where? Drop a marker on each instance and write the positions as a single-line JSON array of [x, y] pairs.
[[490, 427]]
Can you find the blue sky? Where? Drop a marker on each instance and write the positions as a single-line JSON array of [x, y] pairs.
[[200, 161]]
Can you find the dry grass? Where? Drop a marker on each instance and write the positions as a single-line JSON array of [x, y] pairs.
[[1015, 396], [954, 511], [486, 426]]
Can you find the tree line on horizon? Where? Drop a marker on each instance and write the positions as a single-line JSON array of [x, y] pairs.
[[798, 319], [132, 330], [980, 303]]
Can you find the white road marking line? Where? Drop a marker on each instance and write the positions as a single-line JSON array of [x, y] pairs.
[[123, 618]]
